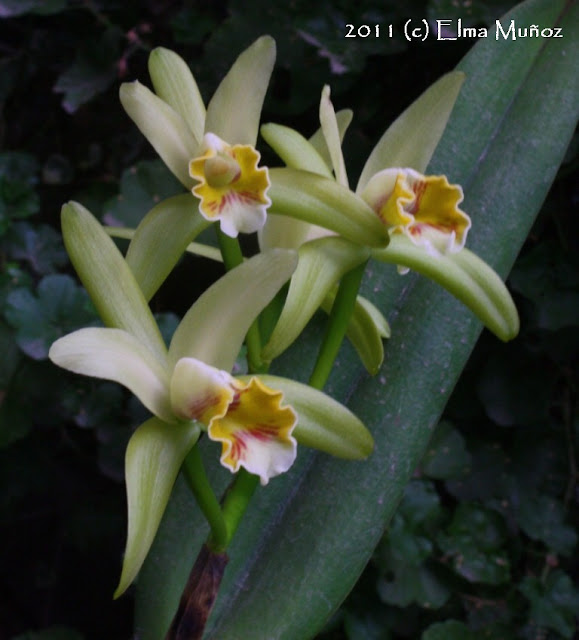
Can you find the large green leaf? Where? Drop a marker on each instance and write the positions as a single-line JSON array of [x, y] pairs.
[[307, 537]]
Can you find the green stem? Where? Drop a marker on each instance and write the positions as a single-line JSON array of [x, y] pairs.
[[337, 326], [230, 250], [232, 257], [208, 503], [237, 499]]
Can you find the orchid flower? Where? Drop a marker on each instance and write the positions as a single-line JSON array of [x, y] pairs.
[[212, 152], [420, 213], [188, 387]]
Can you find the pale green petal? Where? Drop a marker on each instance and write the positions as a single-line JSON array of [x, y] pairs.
[[281, 232], [466, 276], [153, 459], [295, 150], [344, 118], [365, 331], [331, 133], [235, 110], [323, 423], [163, 127], [174, 83], [412, 138], [161, 238], [323, 202], [214, 328], [108, 279], [321, 265], [113, 354]]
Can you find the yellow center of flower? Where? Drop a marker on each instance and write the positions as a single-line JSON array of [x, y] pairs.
[[231, 187], [425, 208], [249, 420], [256, 431], [221, 171]]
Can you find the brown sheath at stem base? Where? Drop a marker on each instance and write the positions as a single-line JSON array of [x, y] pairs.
[[198, 596]]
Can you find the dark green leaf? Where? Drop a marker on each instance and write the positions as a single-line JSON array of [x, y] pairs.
[[142, 187], [12, 8], [18, 198], [413, 584], [449, 630], [402, 547], [98, 407], [167, 322], [372, 626], [554, 603], [420, 506], [60, 307], [93, 71], [473, 545], [40, 246], [543, 518], [446, 456]]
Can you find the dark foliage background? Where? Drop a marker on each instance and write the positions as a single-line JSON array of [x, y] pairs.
[[484, 543]]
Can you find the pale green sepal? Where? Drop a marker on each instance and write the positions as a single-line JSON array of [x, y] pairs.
[[196, 248], [491, 282], [295, 150], [374, 314], [113, 354], [412, 138], [161, 238], [331, 133], [321, 201], [366, 329], [214, 327], [108, 278], [205, 251], [154, 456], [174, 83], [323, 423], [464, 275], [343, 118], [163, 127], [321, 265], [235, 109]]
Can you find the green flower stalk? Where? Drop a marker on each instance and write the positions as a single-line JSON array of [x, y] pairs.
[[188, 388]]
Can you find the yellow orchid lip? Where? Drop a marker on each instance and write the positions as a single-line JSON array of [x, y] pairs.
[[256, 431], [232, 188], [249, 420], [424, 208]]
